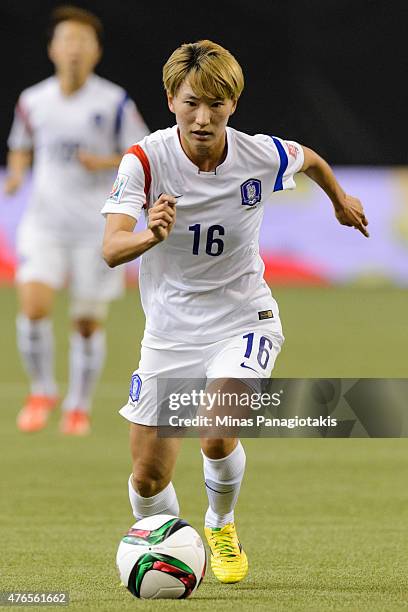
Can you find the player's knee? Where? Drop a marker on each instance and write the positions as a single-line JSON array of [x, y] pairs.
[[36, 299], [88, 315], [35, 311], [148, 483], [86, 327], [218, 448]]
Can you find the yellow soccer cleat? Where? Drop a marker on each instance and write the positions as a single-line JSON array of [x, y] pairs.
[[228, 561]]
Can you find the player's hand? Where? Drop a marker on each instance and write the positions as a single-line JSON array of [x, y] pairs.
[[12, 183], [162, 216], [350, 212]]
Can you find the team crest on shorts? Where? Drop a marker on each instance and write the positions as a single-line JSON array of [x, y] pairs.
[[118, 188], [135, 387], [251, 192]]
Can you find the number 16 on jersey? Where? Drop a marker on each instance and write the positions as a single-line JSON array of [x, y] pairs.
[[214, 245]]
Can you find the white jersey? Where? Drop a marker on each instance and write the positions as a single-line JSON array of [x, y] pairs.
[[205, 282], [99, 118]]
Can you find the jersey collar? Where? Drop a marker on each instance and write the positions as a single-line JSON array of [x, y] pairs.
[[79, 92], [188, 164]]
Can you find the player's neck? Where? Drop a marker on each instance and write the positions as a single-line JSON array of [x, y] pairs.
[[206, 158], [71, 83]]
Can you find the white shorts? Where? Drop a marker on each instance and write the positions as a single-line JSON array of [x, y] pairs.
[[248, 355], [44, 259]]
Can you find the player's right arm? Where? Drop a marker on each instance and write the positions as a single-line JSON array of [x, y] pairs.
[[120, 244], [124, 206], [18, 162], [20, 143]]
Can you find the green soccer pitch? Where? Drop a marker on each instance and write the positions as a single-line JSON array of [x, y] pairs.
[[324, 522]]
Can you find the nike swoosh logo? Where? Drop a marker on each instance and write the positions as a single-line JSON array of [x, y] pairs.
[[246, 366]]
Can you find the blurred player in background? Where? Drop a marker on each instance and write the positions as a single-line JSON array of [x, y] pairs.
[[75, 125], [209, 312]]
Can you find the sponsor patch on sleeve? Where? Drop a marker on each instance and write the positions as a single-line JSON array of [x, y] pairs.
[[118, 188]]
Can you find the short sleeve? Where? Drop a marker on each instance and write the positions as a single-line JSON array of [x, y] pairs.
[[128, 191], [290, 159], [21, 134], [129, 124]]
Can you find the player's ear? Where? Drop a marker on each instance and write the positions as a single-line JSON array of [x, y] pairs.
[[170, 99], [50, 52], [99, 54], [234, 106]]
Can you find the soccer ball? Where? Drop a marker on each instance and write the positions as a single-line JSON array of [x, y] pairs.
[[161, 557]]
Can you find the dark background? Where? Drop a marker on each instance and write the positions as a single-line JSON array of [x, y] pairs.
[[330, 74]]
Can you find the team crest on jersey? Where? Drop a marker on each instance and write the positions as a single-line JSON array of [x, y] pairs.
[[135, 387], [251, 192], [118, 188], [98, 120]]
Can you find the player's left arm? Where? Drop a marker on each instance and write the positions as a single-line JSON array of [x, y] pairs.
[[129, 128], [348, 209], [93, 163]]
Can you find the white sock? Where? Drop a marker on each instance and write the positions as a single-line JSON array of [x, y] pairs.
[[35, 341], [87, 356], [164, 502], [223, 479]]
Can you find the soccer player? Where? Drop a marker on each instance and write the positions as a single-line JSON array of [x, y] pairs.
[[209, 312], [76, 126]]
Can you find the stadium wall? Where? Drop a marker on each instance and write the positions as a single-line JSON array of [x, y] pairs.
[[326, 74]]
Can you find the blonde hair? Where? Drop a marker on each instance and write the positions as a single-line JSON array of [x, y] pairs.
[[213, 71]]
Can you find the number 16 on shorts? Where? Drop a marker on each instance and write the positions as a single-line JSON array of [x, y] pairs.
[[259, 353]]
